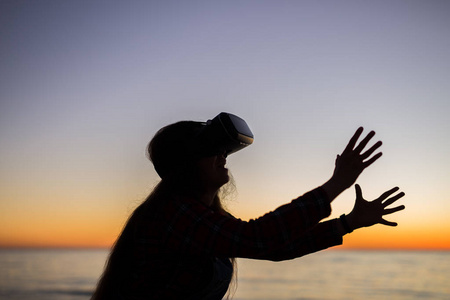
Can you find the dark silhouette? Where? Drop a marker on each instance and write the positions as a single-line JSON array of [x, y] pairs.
[[180, 243]]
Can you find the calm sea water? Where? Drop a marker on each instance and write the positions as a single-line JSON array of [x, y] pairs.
[[72, 274]]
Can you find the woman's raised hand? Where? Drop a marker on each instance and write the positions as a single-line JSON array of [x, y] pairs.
[[353, 160]]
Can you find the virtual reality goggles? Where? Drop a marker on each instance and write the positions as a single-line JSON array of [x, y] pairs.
[[177, 145], [225, 133]]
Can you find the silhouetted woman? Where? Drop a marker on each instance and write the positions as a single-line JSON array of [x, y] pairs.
[[180, 243]]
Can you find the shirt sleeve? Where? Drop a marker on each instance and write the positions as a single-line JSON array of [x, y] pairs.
[[322, 236], [287, 232]]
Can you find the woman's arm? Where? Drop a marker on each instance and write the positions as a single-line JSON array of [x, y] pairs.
[[329, 233], [322, 236], [192, 228]]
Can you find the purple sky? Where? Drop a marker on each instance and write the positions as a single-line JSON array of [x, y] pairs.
[[84, 86]]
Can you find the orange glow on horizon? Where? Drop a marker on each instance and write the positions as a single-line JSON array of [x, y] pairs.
[[99, 228], [68, 239], [59, 232], [103, 237], [410, 238]]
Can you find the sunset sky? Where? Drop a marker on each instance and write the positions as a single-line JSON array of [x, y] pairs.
[[84, 85]]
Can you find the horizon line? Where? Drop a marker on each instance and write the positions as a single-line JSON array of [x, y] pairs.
[[56, 247]]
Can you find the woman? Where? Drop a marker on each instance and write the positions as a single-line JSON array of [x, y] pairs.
[[180, 243]]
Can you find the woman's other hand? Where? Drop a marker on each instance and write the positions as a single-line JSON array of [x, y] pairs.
[[367, 213]]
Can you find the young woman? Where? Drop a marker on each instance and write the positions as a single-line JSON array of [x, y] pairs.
[[180, 243]]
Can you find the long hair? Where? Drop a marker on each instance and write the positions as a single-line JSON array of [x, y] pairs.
[[118, 262], [178, 179]]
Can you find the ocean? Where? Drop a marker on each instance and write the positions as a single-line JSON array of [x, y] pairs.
[[28, 274]]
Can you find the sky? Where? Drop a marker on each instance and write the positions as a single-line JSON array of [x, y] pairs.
[[84, 85]]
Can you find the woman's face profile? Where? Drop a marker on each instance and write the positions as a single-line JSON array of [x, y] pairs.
[[212, 170]]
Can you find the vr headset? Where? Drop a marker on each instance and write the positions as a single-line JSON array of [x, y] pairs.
[[178, 146], [225, 133]]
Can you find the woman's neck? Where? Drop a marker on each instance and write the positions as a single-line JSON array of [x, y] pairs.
[[207, 197]]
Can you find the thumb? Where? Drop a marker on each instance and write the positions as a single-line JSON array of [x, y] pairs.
[[358, 191]]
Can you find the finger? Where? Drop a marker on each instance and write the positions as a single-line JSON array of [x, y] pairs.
[[358, 191], [393, 210], [393, 199], [364, 142], [337, 159], [352, 142], [371, 150], [387, 223], [387, 193], [372, 160]]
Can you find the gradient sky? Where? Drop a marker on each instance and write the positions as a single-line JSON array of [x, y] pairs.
[[84, 85]]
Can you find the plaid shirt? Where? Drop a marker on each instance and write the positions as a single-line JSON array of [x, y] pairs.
[[175, 249]]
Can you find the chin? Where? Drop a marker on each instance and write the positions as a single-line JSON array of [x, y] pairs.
[[224, 179]]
